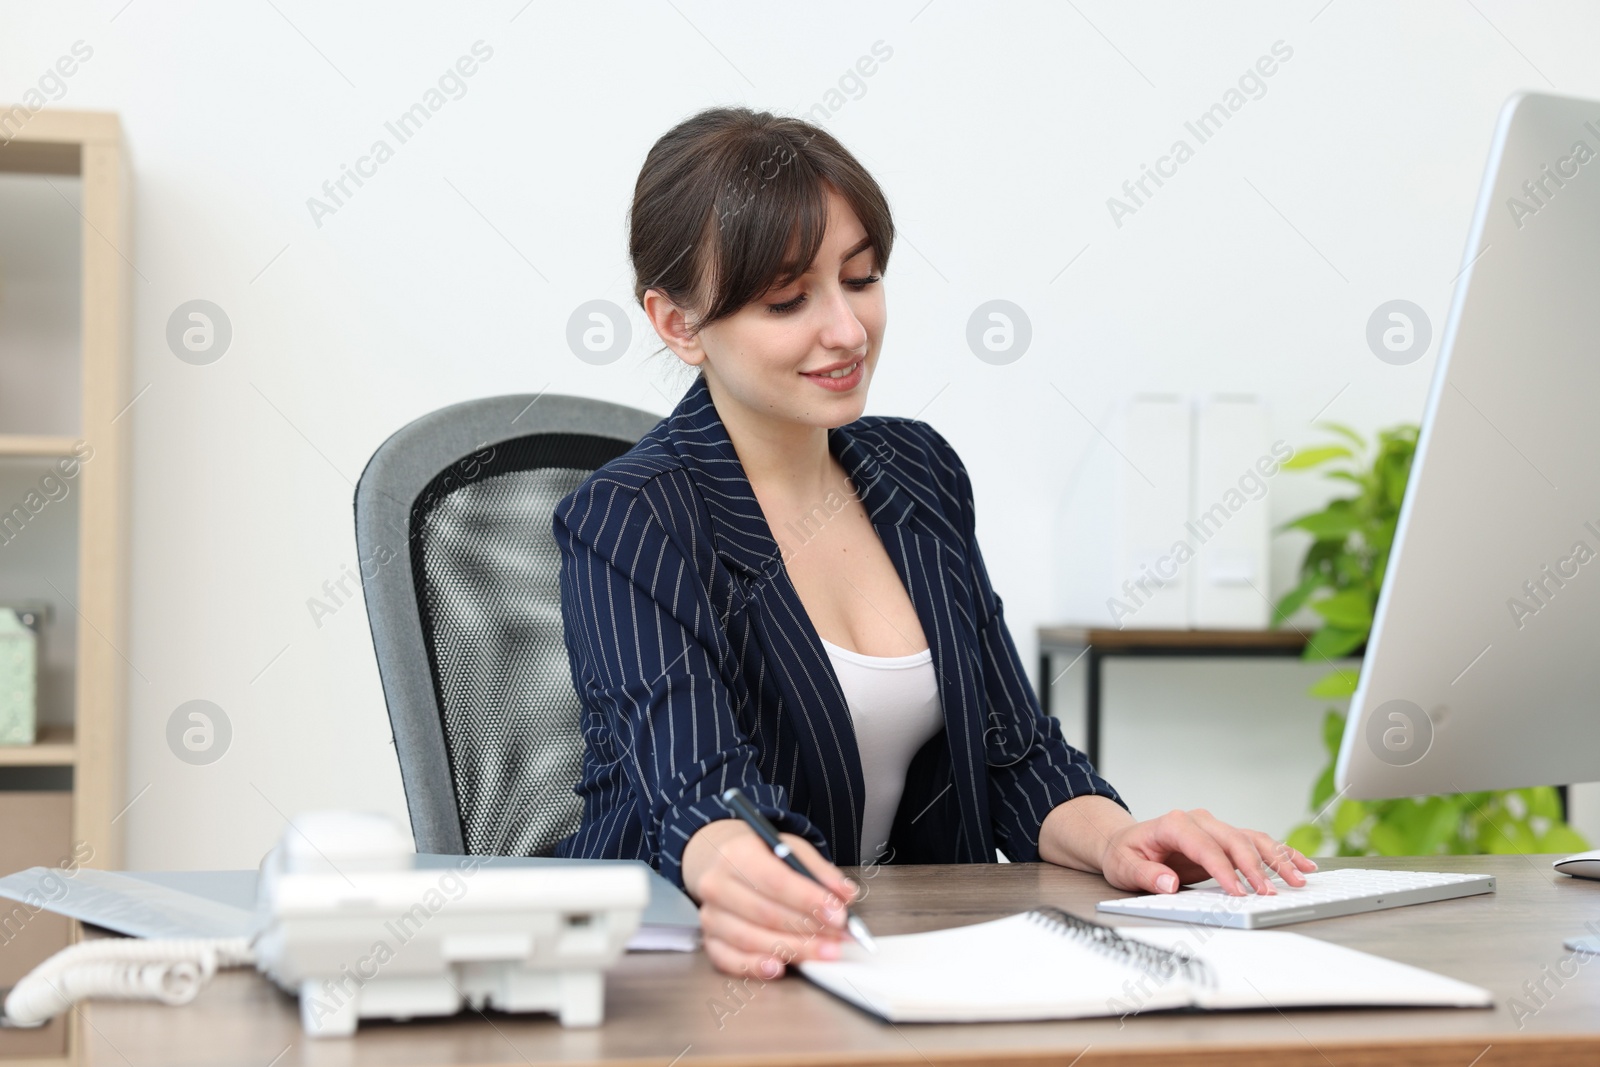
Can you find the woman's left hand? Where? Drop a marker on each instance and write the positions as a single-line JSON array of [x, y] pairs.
[[1158, 855]]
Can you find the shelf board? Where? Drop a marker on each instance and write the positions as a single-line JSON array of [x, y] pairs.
[[58, 1061], [56, 747], [40, 157], [36, 445], [52, 141]]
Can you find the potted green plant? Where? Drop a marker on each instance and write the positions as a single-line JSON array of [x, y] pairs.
[[1339, 580]]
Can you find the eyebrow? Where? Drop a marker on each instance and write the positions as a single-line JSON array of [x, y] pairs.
[[850, 253], [861, 246]]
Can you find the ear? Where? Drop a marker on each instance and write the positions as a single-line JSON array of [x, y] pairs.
[[671, 324]]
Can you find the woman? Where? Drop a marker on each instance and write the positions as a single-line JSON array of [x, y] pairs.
[[774, 592]]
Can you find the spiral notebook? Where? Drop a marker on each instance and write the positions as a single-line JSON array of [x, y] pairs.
[[1049, 964]]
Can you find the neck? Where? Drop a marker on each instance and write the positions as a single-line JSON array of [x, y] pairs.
[[787, 460]]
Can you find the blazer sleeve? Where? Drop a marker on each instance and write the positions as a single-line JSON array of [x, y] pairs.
[[645, 645], [1032, 768]]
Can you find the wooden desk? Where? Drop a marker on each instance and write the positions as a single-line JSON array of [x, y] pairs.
[[659, 1007]]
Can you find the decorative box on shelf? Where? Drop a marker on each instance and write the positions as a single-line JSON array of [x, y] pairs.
[[19, 675]]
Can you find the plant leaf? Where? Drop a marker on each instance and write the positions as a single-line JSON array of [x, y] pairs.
[[1332, 734], [1542, 800], [1445, 820], [1307, 837], [1310, 457], [1323, 789], [1333, 642], [1348, 609], [1394, 479], [1344, 431], [1294, 598], [1334, 684], [1348, 816], [1390, 840], [1559, 838], [1328, 525], [1504, 836]]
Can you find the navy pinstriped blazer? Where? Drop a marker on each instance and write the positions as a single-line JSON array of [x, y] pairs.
[[699, 669]]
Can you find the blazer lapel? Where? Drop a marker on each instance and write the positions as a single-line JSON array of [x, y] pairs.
[[925, 550]]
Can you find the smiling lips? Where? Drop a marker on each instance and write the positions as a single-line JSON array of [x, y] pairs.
[[844, 378]]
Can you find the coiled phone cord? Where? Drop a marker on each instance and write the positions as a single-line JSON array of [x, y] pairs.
[[171, 971]]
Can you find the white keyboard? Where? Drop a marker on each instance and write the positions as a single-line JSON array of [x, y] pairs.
[[1325, 895]]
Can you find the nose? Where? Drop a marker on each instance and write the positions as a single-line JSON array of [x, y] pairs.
[[841, 329]]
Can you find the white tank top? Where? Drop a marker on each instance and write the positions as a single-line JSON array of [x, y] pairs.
[[895, 707]]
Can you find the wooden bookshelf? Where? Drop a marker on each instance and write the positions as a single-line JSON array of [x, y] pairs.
[[56, 747], [89, 146], [35, 446]]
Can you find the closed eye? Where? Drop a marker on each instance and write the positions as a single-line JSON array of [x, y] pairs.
[[858, 284]]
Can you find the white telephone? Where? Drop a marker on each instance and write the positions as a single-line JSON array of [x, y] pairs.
[[347, 923], [351, 927]]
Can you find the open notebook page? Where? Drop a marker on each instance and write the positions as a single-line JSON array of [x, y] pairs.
[[1007, 969], [1017, 968], [1278, 969]]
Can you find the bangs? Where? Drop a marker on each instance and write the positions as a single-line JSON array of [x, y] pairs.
[[766, 225], [732, 204]]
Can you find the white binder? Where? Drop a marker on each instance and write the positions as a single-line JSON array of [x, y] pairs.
[[1150, 589], [1230, 524], [1193, 522]]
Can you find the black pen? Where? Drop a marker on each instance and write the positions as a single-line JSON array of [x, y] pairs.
[[769, 834]]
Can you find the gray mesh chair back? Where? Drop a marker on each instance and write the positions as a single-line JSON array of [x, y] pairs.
[[461, 575]]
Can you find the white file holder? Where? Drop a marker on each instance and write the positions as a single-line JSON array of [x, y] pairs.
[[1150, 591], [1230, 525]]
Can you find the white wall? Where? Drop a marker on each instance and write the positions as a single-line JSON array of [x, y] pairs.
[[998, 133]]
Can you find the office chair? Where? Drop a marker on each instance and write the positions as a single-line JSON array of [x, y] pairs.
[[461, 577]]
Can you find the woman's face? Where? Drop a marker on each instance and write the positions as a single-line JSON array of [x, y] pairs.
[[763, 357]]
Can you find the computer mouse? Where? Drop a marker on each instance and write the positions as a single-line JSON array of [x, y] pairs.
[[1580, 864]]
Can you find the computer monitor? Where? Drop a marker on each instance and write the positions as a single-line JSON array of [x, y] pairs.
[[1483, 666]]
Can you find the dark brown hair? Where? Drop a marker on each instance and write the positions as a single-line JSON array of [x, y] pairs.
[[731, 203]]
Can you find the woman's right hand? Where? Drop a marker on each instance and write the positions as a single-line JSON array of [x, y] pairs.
[[756, 914]]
